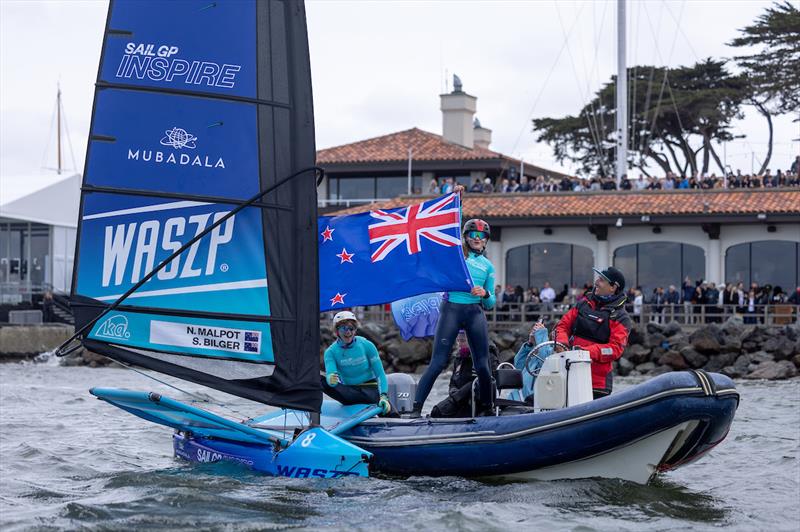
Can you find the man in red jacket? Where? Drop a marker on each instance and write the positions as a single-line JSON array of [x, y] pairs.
[[599, 325]]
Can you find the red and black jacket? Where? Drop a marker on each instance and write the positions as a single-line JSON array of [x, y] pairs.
[[601, 329]]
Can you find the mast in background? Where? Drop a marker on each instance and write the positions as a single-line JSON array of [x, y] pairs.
[[622, 96], [58, 128]]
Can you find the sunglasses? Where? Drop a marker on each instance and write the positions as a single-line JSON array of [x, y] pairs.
[[345, 328], [477, 234]]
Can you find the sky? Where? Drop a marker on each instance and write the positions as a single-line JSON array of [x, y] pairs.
[[379, 66]]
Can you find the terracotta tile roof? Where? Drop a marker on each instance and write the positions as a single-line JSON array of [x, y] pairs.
[[676, 203], [394, 147]]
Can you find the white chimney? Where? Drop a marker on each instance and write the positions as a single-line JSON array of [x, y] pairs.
[[458, 108], [482, 135]]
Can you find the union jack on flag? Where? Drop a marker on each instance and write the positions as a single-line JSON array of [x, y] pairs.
[[409, 226]]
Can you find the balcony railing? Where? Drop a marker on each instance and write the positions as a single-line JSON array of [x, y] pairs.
[[687, 315]]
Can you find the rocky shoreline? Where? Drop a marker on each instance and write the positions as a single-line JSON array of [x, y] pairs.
[[731, 348]]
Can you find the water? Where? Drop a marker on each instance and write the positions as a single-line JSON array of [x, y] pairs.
[[69, 461]]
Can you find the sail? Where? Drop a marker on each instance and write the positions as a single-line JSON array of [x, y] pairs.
[[199, 106]]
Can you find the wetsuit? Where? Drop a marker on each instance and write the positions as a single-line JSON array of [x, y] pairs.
[[361, 374], [462, 310]]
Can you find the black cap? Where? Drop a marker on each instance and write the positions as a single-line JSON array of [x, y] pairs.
[[613, 276]]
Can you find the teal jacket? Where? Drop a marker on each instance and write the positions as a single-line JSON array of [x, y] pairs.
[[356, 363], [482, 272], [519, 362]]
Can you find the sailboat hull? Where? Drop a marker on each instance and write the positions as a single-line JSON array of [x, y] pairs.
[[657, 426]]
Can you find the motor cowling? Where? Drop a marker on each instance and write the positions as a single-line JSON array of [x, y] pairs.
[[402, 389], [565, 379]]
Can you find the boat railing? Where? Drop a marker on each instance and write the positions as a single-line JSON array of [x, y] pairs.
[[688, 316]]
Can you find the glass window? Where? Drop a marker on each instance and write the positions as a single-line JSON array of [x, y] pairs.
[[653, 264], [582, 263], [333, 188], [356, 188], [625, 261], [517, 272], [391, 187], [551, 263], [659, 264], [557, 264], [693, 264], [737, 264], [773, 262], [40, 254]]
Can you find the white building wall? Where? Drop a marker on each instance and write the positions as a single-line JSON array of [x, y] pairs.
[[714, 250]]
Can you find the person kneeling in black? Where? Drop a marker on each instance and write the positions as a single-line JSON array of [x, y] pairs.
[[458, 400]]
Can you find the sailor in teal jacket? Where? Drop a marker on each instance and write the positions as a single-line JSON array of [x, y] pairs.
[[353, 370], [465, 310], [537, 335]]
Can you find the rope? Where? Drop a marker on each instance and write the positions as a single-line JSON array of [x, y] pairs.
[[546, 81]]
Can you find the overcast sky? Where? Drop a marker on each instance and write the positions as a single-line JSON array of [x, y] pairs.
[[379, 67]]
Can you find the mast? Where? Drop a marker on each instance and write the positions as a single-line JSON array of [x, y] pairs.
[[58, 127], [622, 95]]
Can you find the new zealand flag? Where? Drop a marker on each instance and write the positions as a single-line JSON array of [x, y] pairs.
[[385, 255]]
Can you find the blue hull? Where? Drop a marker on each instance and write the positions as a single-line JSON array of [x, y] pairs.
[[509, 445], [664, 423]]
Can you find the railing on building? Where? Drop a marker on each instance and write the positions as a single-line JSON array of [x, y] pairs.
[[688, 316], [325, 203]]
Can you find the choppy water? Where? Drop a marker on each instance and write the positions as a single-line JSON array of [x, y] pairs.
[[69, 461]]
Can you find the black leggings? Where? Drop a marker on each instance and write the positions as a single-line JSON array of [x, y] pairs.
[[452, 317], [363, 394]]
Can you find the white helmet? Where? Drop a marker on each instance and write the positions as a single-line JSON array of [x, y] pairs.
[[344, 315]]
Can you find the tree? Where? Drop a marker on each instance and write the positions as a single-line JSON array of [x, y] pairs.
[[773, 72], [676, 115]]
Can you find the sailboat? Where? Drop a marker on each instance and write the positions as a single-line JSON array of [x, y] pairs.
[[197, 258]]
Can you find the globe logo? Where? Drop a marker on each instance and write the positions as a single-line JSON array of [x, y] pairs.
[[178, 138]]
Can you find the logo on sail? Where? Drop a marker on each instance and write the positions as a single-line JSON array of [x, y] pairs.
[[114, 327], [178, 138]]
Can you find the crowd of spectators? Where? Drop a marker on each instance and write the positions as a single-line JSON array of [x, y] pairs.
[[693, 301], [737, 180]]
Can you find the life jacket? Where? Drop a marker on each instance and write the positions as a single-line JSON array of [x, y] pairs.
[[594, 324]]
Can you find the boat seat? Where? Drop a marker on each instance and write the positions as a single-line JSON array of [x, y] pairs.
[[508, 378]]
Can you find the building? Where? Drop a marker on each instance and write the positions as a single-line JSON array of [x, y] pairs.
[[405, 162], [38, 223], [656, 238]]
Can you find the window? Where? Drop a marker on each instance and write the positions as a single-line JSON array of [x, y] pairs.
[[654, 264], [773, 262], [557, 264], [356, 187], [391, 187]]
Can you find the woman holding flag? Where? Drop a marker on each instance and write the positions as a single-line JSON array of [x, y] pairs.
[[465, 310]]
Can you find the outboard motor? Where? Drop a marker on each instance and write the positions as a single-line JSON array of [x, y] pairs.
[[402, 389], [565, 379]]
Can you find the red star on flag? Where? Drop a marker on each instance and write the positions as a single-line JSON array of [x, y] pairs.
[[345, 256], [338, 298], [327, 234]]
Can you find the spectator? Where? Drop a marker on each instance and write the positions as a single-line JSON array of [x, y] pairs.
[[524, 186], [794, 299], [47, 306], [638, 302], [476, 186], [658, 300], [548, 296], [488, 188], [687, 293], [447, 187], [433, 187], [673, 300], [751, 307]]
